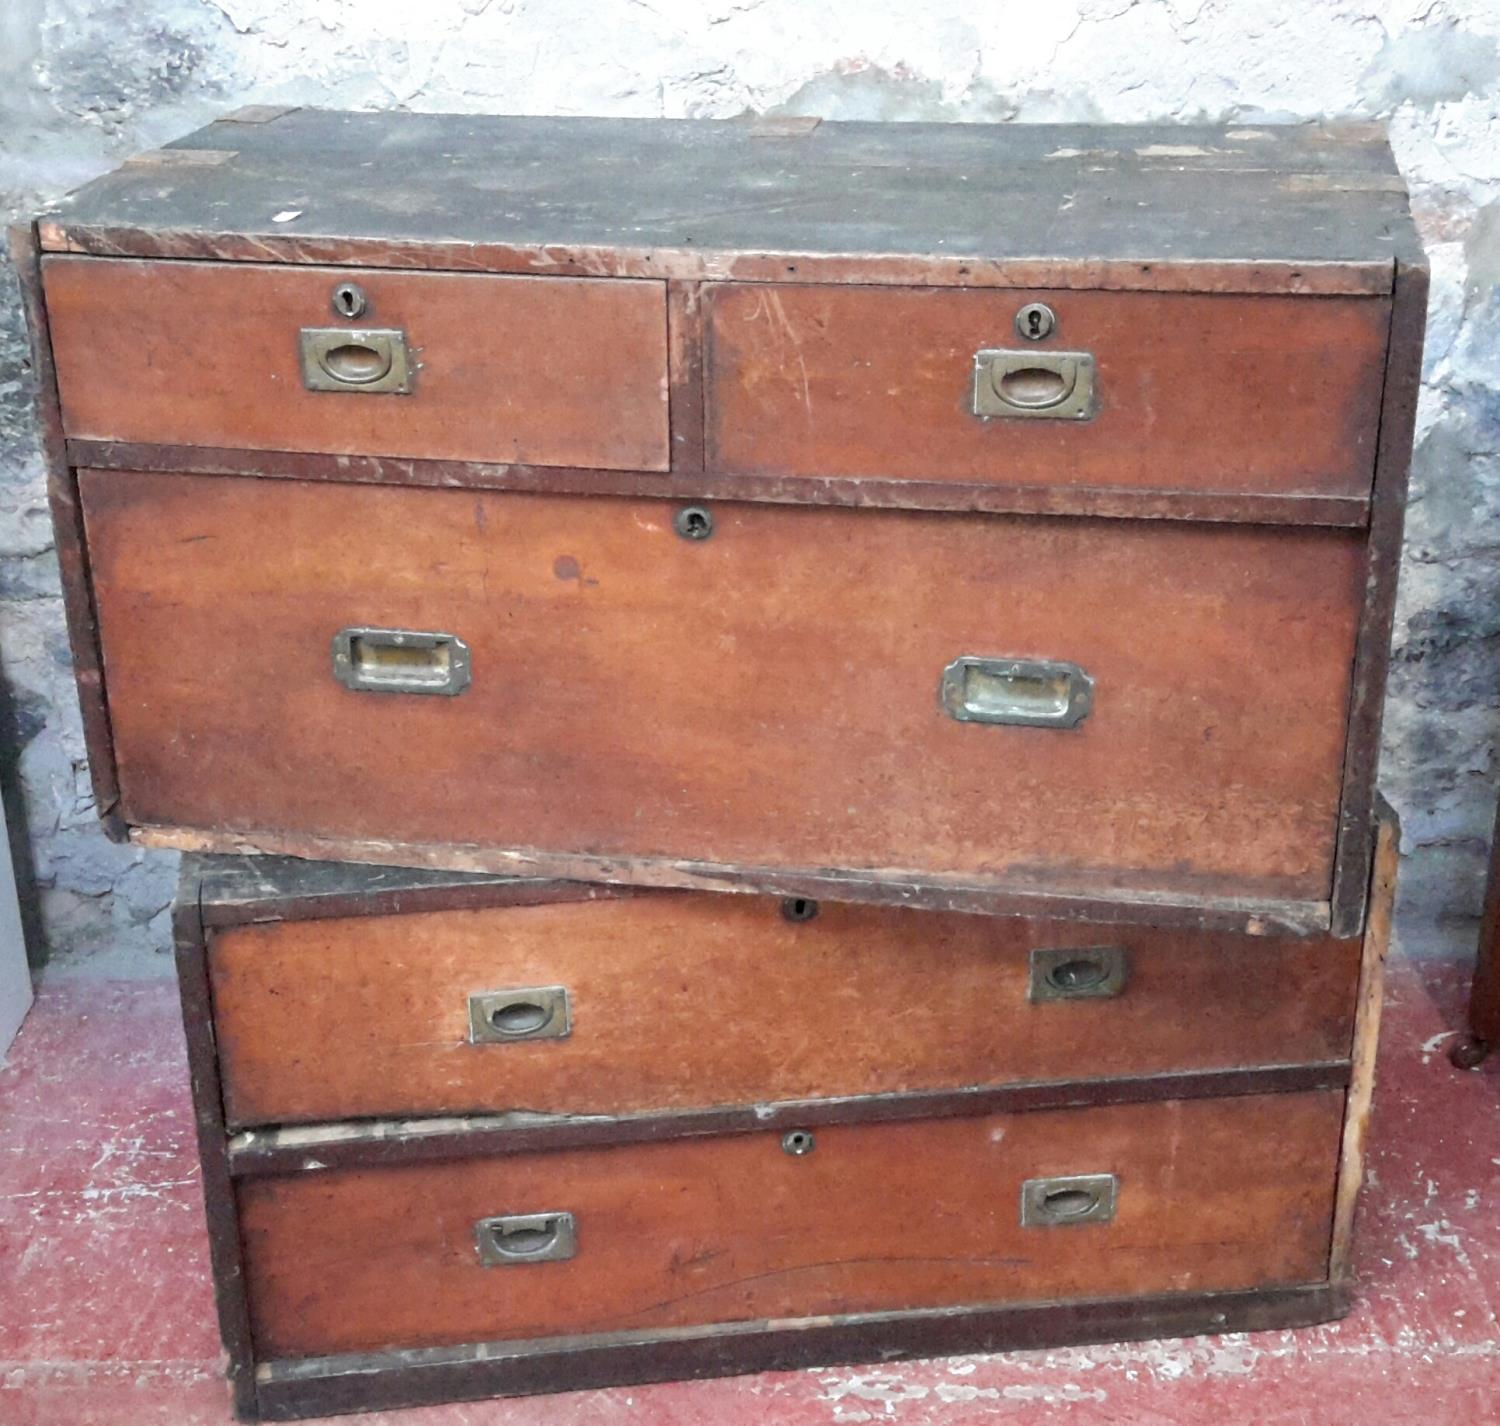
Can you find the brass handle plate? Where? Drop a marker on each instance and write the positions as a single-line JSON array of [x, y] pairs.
[[400, 661], [1062, 1201], [540, 1012], [1053, 386], [355, 359], [1077, 973], [1022, 693], [517, 1238]]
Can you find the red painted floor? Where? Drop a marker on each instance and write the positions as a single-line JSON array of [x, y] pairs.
[[106, 1314]]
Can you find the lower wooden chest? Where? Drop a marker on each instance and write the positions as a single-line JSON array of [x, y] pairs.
[[470, 1135]]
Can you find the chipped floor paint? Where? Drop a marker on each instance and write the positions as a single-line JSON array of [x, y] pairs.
[[106, 1310]]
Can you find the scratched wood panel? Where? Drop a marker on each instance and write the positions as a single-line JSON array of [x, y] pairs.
[[876, 1217], [685, 1000], [766, 697], [1160, 205], [1224, 393], [561, 372]]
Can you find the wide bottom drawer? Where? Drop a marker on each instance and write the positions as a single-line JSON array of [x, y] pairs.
[[1141, 1199]]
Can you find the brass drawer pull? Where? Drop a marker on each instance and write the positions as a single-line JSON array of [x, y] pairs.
[[540, 1012], [1059, 1202], [1050, 385], [400, 661], [355, 359], [526, 1238], [1023, 693], [1077, 973]]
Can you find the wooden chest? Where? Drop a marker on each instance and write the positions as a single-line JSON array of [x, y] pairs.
[[997, 519], [975, 546], [465, 1135]]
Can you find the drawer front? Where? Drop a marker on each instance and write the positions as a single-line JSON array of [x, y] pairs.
[[531, 370], [794, 691], [1153, 391], [664, 1001], [873, 1218]]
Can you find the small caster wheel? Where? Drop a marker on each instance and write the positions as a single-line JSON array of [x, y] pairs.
[[1468, 1053]]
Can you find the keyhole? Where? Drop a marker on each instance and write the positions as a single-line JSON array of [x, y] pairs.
[[349, 300], [693, 522], [1035, 321]]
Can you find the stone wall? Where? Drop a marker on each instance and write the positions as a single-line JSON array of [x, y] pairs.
[[85, 82]]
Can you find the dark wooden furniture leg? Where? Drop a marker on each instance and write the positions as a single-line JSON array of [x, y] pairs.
[[1484, 999]]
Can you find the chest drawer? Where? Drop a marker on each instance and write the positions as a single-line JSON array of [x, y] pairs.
[[1146, 391], [1133, 708], [351, 361], [659, 1001], [1175, 1196]]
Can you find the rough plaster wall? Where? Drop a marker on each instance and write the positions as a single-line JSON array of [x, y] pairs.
[[85, 82]]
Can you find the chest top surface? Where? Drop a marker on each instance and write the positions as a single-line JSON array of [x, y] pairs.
[[1306, 208]]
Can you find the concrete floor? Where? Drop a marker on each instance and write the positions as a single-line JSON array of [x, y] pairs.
[[106, 1315]]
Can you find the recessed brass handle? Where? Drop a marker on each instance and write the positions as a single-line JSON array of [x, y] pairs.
[[539, 1012], [1077, 973], [1023, 693], [516, 1238], [1073, 1198], [1051, 385], [400, 661], [355, 359]]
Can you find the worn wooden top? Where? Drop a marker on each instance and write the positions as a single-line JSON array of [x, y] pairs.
[[233, 889], [1317, 208]]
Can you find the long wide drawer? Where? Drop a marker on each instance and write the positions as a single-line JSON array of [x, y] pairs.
[[1173, 1196], [1147, 708], [461, 366], [656, 1001], [1125, 390]]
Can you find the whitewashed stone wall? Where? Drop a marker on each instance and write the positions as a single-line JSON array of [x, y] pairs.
[[85, 82]]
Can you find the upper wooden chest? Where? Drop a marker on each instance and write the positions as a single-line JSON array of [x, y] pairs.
[[970, 516]]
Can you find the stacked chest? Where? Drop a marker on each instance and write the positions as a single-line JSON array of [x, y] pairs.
[[975, 547], [465, 1134]]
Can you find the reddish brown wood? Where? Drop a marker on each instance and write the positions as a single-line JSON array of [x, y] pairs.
[[1354, 278], [1219, 393], [569, 372], [761, 698], [1403, 380], [68, 536], [367, 1016], [1248, 507], [685, 363], [875, 1217], [367, 1143]]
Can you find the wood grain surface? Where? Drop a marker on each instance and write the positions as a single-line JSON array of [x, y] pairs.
[[1377, 941], [564, 371], [688, 1000], [675, 1234], [1226, 393], [1082, 205], [766, 697]]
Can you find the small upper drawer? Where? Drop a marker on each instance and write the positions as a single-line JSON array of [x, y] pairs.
[[1129, 390], [563, 1007], [526, 370]]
